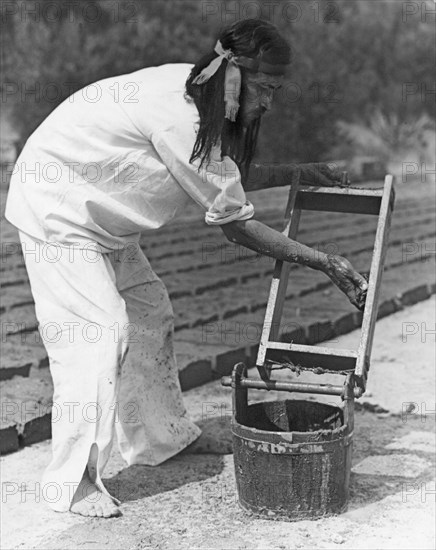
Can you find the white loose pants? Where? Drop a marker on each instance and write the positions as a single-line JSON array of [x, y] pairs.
[[107, 324]]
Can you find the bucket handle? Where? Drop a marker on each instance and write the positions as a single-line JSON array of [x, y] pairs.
[[240, 384], [239, 378]]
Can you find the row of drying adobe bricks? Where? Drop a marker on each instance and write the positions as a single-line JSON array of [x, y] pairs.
[[204, 355], [243, 286], [215, 252], [211, 264], [212, 249], [23, 348], [223, 303], [200, 247]]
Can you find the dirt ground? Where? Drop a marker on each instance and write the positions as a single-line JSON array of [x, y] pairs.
[[190, 502]]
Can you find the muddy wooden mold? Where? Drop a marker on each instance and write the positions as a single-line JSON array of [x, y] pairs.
[[378, 202]]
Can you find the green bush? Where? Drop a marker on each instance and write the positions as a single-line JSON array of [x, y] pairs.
[[351, 59]]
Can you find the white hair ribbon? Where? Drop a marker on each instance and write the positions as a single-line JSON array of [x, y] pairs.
[[232, 82]]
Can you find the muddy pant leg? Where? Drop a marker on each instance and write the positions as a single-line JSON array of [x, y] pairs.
[[77, 305], [152, 424]]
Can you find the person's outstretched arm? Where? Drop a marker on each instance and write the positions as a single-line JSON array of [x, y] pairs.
[[264, 176], [269, 242]]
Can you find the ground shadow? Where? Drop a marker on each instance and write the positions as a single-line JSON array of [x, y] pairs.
[[139, 481]]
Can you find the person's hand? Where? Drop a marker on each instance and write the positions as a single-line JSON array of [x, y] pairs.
[[347, 279], [321, 174]]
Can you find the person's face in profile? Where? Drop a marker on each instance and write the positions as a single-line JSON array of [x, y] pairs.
[[258, 91]]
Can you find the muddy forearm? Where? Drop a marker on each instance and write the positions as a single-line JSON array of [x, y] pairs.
[[265, 240], [269, 242], [264, 176]]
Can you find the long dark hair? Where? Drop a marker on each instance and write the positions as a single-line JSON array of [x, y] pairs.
[[247, 38]]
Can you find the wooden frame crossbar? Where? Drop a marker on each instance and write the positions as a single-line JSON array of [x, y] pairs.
[[379, 202], [334, 199]]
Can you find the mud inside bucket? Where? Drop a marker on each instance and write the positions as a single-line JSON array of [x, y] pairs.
[[292, 459]]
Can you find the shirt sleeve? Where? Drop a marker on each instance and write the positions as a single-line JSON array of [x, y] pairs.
[[216, 187]]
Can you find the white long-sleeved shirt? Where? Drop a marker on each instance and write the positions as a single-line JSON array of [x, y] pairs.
[[113, 160]]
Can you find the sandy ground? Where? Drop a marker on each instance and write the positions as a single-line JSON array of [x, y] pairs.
[[190, 502]]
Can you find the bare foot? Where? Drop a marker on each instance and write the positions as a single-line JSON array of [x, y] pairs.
[[90, 501], [215, 438], [347, 279]]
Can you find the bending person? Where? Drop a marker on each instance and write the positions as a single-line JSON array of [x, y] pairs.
[[90, 179]]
